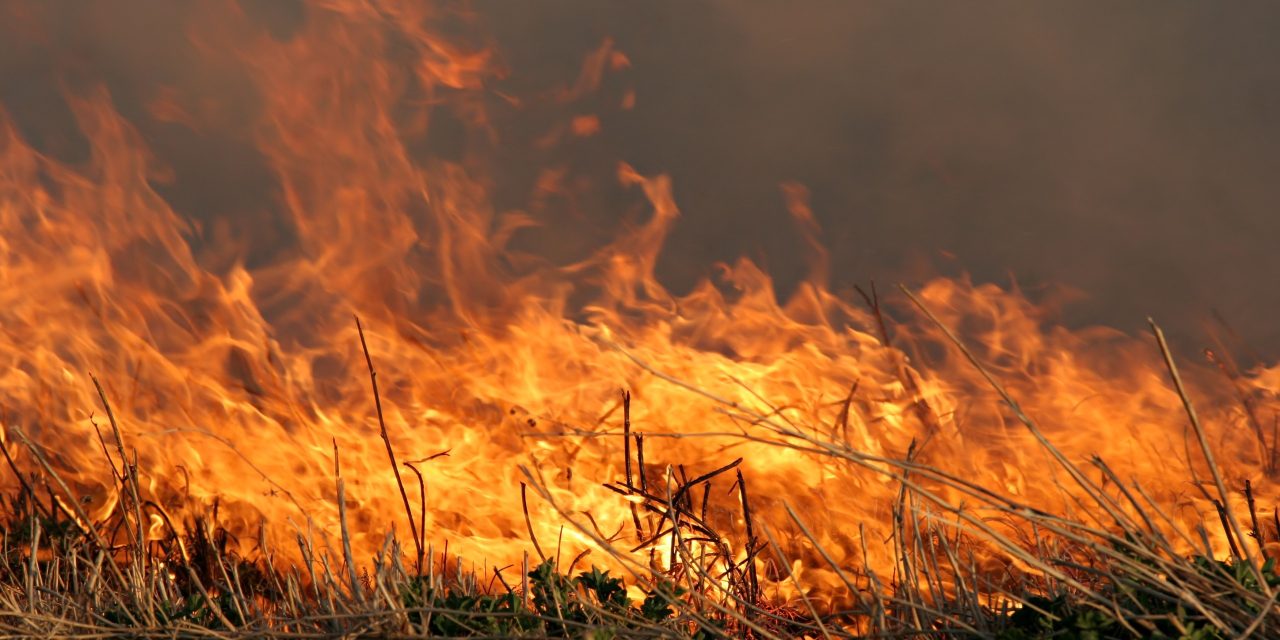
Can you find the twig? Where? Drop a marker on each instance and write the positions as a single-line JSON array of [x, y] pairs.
[[754, 584], [129, 475], [1256, 532], [356, 592], [391, 455], [422, 496], [626, 456], [524, 505], [1207, 451], [626, 435]]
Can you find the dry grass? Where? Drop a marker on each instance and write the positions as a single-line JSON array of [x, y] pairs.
[[1124, 578]]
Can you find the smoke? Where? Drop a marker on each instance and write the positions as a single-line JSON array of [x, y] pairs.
[[1125, 150]]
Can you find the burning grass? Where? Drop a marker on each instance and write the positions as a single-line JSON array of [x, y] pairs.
[[969, 561]]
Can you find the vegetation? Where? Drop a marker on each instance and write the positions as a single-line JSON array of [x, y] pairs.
[[1080, 579]]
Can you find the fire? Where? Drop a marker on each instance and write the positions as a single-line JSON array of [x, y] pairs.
[[238, 383]]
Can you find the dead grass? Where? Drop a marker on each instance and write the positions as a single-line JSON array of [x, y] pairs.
[[61, 575]]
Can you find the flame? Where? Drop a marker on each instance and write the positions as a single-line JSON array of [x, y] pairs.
[[236, 382]]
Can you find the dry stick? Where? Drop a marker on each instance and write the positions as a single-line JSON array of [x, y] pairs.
[[422, 496], [900, 543], [1208, 453], [644, 483], [1226, 528], [751, 538], [595, 525], [524, 575], [673, 509], [626, 435], [626, 456], [1253, 512], [524, 505], [342, 522], [31, 571], [559, 548], [386, 439], [346, 542], [129, 479], [307, 549], [1275, 438], [706, 496], [444, 563], [578, 558]]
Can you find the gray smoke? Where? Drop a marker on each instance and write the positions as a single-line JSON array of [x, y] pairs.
[[1127, 150]]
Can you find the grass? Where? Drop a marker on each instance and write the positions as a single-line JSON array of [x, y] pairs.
[[1112, 571]]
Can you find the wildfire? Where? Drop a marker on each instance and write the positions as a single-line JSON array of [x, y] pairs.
[[238, 382]]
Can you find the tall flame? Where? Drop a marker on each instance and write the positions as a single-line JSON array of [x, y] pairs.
[[238, 382]]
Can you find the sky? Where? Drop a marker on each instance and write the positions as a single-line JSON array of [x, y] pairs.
[[1125, 150]]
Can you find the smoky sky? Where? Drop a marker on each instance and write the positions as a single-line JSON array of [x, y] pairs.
[[1127, 150]]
